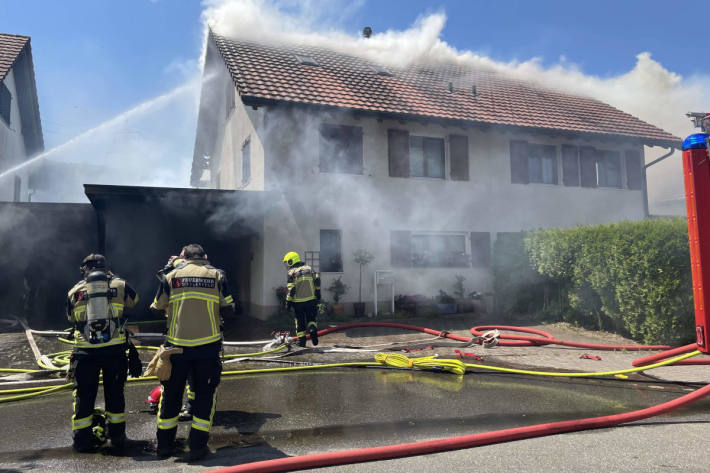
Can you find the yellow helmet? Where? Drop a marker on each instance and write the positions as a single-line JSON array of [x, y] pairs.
[[291, 258]]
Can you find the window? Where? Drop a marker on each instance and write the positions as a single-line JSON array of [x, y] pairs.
[[608, 167], [5, 101], [533, 163], [306, 60], [481, 249], [426, 157], [331, 256], [439, 250], [341, 149], [381, 70], [246, 162]]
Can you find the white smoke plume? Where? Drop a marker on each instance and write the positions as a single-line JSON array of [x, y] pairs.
[[649, 91]]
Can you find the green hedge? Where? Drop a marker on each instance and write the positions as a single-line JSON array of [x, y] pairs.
[[629, 277]]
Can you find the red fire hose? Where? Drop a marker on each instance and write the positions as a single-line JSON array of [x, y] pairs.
[[474, 440], [454, 443]]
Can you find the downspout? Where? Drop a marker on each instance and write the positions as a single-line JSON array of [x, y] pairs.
[[671, 150]]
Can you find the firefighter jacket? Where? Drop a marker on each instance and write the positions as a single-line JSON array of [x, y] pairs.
[[192, 295], [303, 284], [121, 296]]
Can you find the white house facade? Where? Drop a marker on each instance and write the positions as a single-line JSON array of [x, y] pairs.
[[424, 193], [20, 127]]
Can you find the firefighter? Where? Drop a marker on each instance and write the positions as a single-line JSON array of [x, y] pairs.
[[95, 307], [194, 296], [303, 296], [186, 411]]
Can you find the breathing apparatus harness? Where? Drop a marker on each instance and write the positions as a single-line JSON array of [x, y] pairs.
[[101, 321]]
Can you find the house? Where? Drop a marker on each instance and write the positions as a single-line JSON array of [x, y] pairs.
[[421, 166], [20, 126]]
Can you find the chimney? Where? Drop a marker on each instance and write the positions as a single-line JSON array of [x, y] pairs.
[[451, 87], [366, 32]]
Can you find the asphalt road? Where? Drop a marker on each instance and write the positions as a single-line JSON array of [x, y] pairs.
[[270, 416]]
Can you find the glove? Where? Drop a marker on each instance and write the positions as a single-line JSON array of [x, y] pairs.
[[160, 365], [321, 308], [72, 366], [135, 367], [289, 305]]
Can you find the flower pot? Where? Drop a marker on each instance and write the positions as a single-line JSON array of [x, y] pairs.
[[359, 309], [337, 308]]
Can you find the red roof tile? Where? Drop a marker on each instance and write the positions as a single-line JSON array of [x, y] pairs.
[[10, 47], [263, 72]]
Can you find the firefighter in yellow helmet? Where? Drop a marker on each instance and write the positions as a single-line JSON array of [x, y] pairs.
[[95, 307], [303, 296], [194, 296]]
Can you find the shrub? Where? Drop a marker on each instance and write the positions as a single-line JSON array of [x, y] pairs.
[[629, 277]]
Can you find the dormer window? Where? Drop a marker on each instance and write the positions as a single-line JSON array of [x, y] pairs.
[[306, 60], [381, 70]]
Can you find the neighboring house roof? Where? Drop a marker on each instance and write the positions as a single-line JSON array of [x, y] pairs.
[[16, 54], [270, 74], [10, 47]]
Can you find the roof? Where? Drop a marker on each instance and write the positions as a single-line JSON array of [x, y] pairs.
[[16, 54], [10, 47], [273, 74]]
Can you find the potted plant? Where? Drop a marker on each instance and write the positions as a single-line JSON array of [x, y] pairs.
[[337, 288], [463, 304], [363, 258], [445, 303]]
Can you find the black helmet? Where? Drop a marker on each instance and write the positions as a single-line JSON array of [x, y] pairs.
[[93, 261]]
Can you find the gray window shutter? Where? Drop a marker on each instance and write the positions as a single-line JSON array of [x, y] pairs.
[[587, 166], [398, 152], [519, 173], [634, 174], [401, 249], [458, 148], [570, 165], [481, 249]]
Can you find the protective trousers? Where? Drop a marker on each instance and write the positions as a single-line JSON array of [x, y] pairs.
[[86, 385], [306, 313], [204, 378]]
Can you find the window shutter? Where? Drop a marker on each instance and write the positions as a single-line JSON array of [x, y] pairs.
[[519, 173], [481, 249], [401, 249], [634, 173], [398, 152], [570, 165], [458, 148], [587, 166]]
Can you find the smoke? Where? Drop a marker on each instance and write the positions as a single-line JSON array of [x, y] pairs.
[[648, 91]]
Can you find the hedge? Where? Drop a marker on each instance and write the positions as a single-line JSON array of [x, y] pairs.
[[630, 277]]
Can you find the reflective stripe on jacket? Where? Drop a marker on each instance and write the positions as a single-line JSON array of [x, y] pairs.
[[121, 296], [191, 296], [303, 284]]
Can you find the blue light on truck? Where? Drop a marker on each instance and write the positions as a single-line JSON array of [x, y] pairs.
[[696, 141]]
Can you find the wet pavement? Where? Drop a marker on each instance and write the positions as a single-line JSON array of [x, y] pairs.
[[264, 416]]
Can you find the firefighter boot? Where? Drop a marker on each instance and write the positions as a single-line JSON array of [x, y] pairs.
[[166, 442], [313, 333]]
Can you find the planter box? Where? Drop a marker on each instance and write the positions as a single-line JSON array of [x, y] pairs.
[[449, 308], [465, 306]]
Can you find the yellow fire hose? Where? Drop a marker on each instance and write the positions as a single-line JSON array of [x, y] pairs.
[[394, 360]]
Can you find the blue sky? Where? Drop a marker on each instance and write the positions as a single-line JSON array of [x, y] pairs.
[[95, 59]]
